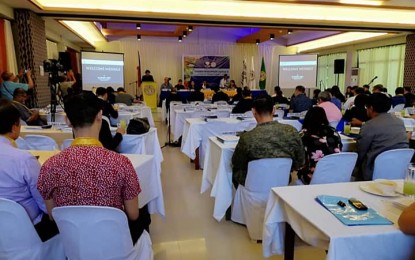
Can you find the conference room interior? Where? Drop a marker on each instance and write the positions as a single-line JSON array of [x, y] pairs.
[[348, 52]]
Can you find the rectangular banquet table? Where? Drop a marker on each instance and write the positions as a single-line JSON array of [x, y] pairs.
[[319, 228], [150, 180], [217, 172]]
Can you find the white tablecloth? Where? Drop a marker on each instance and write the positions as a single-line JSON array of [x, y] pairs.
[[318, 227], [140, 111], [150, 181], [217, 172]]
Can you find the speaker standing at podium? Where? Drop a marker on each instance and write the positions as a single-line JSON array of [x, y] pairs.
[[147, 77]]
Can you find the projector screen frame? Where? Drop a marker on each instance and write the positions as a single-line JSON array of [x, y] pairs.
[[279, 62], [123, 59]]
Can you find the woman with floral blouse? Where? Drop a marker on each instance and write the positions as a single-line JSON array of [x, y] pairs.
[[319, 139]]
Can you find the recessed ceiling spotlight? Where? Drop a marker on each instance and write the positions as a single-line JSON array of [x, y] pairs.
[[190, 28], [184, 34], [257, 41], [138, 26], [180, 38], [290, 31], [272, 36], [138, 37]]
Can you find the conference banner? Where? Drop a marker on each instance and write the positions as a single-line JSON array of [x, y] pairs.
[[205, 68]]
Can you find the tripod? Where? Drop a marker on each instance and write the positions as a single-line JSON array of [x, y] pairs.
[[53, 85], [169, 143]]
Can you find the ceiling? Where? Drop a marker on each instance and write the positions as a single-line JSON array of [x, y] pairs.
[[159, 18]]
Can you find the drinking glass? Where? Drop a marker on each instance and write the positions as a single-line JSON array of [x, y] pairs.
[[409, 182], [347, 128], [123, 124]]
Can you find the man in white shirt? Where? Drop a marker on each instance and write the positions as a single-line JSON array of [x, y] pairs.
[[350, 101], [224, 82]]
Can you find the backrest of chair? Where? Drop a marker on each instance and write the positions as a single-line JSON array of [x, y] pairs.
[[334, 124], [41, 142], [16, 229], [21, 143], [132, 144], [66, 143], [106, 119], [279, 113], [392, 164], [263, 174], [398, 108], [91, 232], [334, 168]]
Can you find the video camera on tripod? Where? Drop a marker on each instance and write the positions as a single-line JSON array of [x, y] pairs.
[[53, 67]]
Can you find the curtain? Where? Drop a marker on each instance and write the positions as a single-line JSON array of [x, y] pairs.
[[10, 51], [325, 71], [387, 63], [52, 50]]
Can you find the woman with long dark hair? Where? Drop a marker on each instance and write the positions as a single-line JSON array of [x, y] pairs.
[[319, 139]]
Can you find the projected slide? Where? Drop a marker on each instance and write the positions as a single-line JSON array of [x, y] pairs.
[[101, 69], [297, 70]]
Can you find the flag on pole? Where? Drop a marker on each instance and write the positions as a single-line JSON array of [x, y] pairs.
[[138, 85], [263, 76], [252, 75], [244, 75]]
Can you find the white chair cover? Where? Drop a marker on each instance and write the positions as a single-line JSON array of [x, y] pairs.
[[392, 164], [279, 113], [22, 122], [66, 143], [334, 168], [221, 103], [248, 114], [398, 108], [92, 232], [132, 144], [21, 143], [41, 142], [250, 200], [19, 239], [334, 124]]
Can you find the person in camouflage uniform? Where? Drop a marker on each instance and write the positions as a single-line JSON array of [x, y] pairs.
[[269, 139]]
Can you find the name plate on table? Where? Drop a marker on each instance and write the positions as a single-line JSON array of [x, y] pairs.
[[226, 139], [350, 216]]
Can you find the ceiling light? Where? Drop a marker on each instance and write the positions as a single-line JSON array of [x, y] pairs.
[[184, 34], [362, 2], [138, 37], [272, 36], [257, 41], [180, 38], [335, 40], [190, 28], [290, 31], [138, 26], [85, 30]]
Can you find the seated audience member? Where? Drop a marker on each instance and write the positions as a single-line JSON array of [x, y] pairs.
[[406, 220], [378, 88], [147, 77], [88, 174], [105, 136], [232, 84], [31, 117], [348, 92], [357, 114], [381, 133], [66, 82], [335, 92], [245, 104], [334, 99], [319, 139], [111, 95], [398, 98], [179, 85], [192, 85], [279, 97], [333, 113], [349, 102], [315, 96], [269, 139], [238, 97], [196, 95], [123, 97], [300, 102], [385, 91], [409, 97], [366, 89], [220, 96], [107, 109], [19, 173], [8, 86]]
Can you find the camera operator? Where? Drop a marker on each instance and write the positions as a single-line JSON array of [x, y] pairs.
[[9, 85], [66, 82]]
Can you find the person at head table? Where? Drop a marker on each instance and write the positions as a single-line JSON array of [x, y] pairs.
[[166, 84], [179, 85], [29, 116], [224, 82], [88, 174], [147, 77], [19, 173], [269, 139], [406, 220]]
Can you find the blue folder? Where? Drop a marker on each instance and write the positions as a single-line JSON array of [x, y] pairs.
[[350, 216]]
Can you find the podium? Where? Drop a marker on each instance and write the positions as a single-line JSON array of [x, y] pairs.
[[149, 90]]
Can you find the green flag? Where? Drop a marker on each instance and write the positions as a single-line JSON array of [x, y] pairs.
[[263, 76]]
